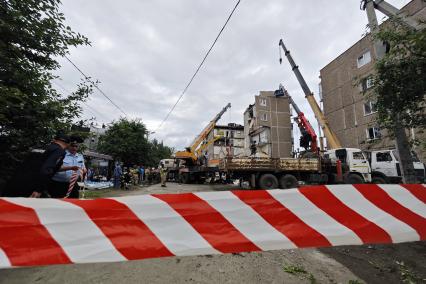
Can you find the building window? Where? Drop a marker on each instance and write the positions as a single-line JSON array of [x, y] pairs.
[[373, 133], [263, 102], [366, 84], [264, 117], [365, 58], [263, 137], [369, 107]]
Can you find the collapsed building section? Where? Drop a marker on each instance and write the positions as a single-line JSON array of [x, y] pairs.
[[267, 127], [229, 141]]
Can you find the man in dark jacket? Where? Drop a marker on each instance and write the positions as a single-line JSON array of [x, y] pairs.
[[32, 178]]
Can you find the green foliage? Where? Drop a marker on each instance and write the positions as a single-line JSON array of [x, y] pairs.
[[127, 141], [299, 271], [32, 36], [399, 84]]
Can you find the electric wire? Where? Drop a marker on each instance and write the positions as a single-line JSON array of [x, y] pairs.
[[91, 109], [199, 67], [96, 86]]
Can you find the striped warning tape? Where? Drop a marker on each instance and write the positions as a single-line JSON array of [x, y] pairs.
[[53, 231]]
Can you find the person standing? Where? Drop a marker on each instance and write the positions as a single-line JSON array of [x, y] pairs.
[[141, 174], [32, 179], [117, 175], [64, 182], [163, 175]]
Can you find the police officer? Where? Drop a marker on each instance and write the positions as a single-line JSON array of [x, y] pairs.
[[63, 184]]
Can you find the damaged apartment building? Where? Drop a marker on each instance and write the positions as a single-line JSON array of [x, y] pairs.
[[267, 127], [228, 142], [346, 94]]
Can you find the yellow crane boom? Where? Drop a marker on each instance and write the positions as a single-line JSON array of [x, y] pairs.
[[332, 141], [191, 151]]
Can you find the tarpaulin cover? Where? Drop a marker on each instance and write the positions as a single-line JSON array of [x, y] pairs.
[[61, 231]]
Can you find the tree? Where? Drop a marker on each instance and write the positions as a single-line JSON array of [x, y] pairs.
[[126, 140], [400, 87], [32, 36]]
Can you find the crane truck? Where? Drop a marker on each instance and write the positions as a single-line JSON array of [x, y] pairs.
[[192, 167], [337, 164]]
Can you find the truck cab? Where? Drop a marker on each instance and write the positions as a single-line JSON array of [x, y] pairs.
[[386, 169], [357, 167]]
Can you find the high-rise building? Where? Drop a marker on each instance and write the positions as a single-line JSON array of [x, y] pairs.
[[346, 94]]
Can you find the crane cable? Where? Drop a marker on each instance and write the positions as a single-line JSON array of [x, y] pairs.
[[199, 67]]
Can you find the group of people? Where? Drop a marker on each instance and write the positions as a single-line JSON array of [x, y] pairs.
[[123, 177], [54, 173]]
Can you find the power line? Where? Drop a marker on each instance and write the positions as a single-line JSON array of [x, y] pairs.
[[95, 85], [91, 109], [199, 66]]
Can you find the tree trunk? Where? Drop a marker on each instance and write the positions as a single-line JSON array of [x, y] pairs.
[[405, 157]]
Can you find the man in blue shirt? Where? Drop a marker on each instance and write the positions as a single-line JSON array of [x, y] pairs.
[[73, 163]]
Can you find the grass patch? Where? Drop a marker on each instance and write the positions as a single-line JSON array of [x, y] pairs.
[[408, 276], [93, 194], [300, 272]]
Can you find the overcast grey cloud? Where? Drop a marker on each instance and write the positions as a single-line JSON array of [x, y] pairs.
[[145, 51]]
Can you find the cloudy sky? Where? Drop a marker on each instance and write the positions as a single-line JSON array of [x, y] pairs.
[[145, 51]]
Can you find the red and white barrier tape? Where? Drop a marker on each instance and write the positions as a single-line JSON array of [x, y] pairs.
[[53, 231]]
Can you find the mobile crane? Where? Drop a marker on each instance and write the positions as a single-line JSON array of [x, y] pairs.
[[359, 170], [191, 167], [308, 140]]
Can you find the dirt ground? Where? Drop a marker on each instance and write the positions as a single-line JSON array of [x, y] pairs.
[[401, 263]]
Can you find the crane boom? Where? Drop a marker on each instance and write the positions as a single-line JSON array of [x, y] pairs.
[[208, 128], [387, 9], [191, 151], [309, 137], [332, 140]]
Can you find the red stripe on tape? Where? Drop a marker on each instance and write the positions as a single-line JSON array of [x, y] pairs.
[[381, 199], [282, 218], [366, 230], [123, 228], [209, 223], [25, 240], [418, 190]]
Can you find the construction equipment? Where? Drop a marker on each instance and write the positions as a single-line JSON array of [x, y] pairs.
[[357, 165], [332, 140], [369, 6], [190, 160], [308, 140], [389, 10]]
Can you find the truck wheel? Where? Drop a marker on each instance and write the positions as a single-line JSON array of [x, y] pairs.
[[268, 181], [288, 181], [353, 179], [184, 178], [378, 180]]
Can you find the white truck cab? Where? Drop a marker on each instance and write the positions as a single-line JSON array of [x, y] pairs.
[[359, 170], [386, 169]]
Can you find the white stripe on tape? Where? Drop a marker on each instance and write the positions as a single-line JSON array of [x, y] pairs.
[[4, 260], [399, 231], [246, 220], [336, 233], [73, 229], [170, 227], [405, 198]]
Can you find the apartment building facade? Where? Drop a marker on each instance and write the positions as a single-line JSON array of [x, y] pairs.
[[346, 94], [230, 143], [267, 127]]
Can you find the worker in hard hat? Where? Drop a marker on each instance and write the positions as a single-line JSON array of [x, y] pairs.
[[163, 175]]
